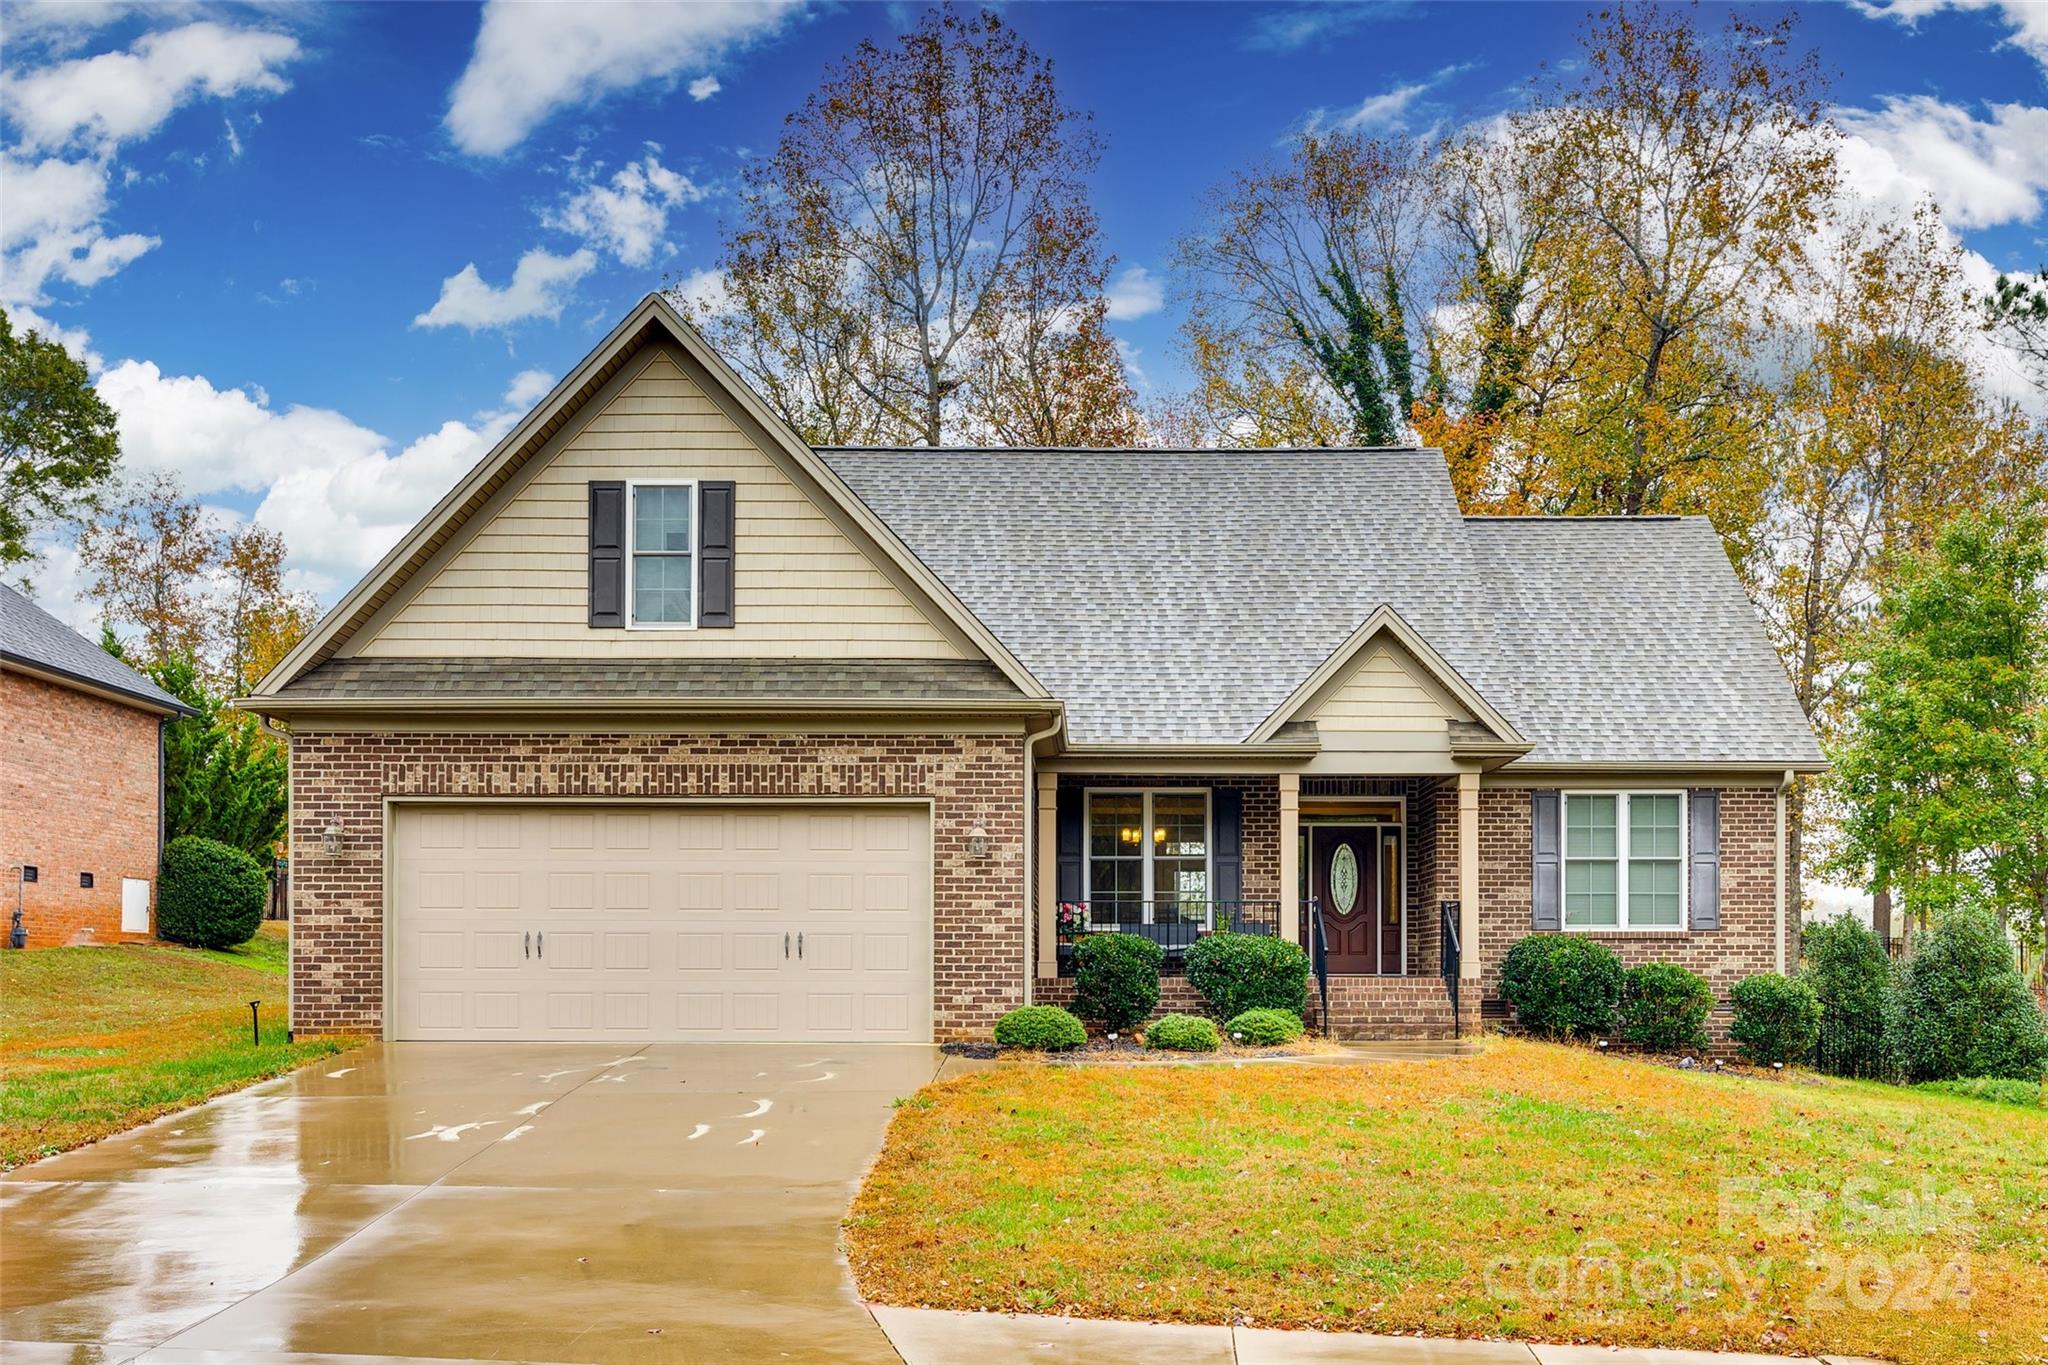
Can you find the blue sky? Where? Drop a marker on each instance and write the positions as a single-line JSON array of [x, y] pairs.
[[320, 257]]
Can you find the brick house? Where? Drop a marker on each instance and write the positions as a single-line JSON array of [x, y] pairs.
[[81, 783], [665, 725]]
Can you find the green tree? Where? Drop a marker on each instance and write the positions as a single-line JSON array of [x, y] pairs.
[[2015, 313], [224, 778], [1942, 772], [58, 441]]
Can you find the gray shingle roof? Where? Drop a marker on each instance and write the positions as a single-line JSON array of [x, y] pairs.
[[717, 679], [32, 637], [1183, 595]]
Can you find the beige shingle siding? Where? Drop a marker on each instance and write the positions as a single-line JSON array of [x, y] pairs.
[[518, 586]]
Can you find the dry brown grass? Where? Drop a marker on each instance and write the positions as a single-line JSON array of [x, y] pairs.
[[1448, 1197]]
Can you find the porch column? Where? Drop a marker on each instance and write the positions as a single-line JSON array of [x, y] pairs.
[[1290, 857], [1468, 875], [1046, 848]]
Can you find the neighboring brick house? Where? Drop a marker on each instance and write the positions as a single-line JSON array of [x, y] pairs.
[[81, 783], [664, 725]]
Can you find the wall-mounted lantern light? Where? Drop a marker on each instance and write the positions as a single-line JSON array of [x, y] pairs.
[[330, 841], [977, 842]]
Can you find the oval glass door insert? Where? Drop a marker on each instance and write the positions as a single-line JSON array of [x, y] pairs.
[[1344, 879]]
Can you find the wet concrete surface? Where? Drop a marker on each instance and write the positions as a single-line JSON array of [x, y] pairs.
[[468, 1201]]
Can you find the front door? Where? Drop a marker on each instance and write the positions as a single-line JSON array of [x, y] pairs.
[[1354, 874]]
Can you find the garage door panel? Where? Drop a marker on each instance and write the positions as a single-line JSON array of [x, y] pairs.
[[652, 922]]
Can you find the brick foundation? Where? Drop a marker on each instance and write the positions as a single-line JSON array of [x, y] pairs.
[[78, 793], [343, 779], [1367, 1008]]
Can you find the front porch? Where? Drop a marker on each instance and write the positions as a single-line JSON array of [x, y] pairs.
[[1364, 873]]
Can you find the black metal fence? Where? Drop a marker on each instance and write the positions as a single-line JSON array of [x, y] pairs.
[[1173, 924]]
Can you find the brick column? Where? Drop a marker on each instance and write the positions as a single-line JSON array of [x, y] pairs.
[[1290, 857], [1046, 848], [1468, 876]]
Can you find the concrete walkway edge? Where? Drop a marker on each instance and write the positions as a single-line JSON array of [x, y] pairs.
[[927, 1336]]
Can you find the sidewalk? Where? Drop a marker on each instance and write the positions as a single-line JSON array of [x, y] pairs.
[[925, 1336]]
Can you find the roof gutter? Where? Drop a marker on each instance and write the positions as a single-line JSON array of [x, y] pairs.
[[666, 706], [64, 677]]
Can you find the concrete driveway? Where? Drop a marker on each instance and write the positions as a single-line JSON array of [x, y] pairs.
[[468, 1201]]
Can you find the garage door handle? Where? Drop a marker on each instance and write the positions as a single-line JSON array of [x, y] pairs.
[[540, 945], [799, 947], [529, 943], [785, 944]]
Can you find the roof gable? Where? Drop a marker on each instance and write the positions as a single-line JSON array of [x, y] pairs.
[[413, 601], [1386, 672]]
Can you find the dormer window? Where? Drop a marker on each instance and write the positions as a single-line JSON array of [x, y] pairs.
[[662, 555]]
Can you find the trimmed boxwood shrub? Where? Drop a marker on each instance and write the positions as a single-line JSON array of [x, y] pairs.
[[1239, 972], [1962, 1008], [1116, 978], [1183, 1033], [1264, 1027], [1664, 1007], [1042, 1028], [1562, 985], [1849, 969], [1777, 1018], [209, 895]]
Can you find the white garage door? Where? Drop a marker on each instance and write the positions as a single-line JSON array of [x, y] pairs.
[[651, 923]]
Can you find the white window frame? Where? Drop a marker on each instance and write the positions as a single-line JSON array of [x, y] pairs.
[[1621, 925], [633, 487], [1145, 884]]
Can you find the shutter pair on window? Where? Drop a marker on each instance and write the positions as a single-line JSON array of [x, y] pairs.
[[1226, 809], [608, 568], [1547, 871]]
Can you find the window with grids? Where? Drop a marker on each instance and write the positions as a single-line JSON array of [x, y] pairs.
[[1148, 857], [663, 590], [1624, 860]]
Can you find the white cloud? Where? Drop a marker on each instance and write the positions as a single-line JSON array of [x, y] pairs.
[[704, 87], [1135, 293], [1290, 30], [627, 216], [76, 340], [705, 291], [1983, 173], [531, 60], [2028, 19], [1387, 110], [115, 97], [540, 285], [527, 388], [52, 228], [335, 489]]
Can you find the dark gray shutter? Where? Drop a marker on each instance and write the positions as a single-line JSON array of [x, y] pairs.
[[1546, 866], [608, 552], [714, 553], [1706, 859], [1226, 809], [1072, 817]]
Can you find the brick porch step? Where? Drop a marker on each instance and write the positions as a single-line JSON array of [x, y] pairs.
[[1373, 1008]]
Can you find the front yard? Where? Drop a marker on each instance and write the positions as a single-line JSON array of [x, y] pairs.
[[95, 1040], [1535, 1191]]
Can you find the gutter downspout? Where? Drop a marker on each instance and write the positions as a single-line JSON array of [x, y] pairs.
[[1032, 739], [163, 815], [1784, 785]]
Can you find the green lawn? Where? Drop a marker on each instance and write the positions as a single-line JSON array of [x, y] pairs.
[[1535, 1191], [95, 1040]]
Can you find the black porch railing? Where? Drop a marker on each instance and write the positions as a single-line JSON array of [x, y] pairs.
[[1173, 925], [1318, 955], [1452, 957]]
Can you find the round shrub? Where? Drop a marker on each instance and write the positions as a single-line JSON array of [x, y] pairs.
[[1116, 978], [1962, 1008], [1777, 1018], [1041, 1028], [209, 894], [1183, 1033], [1562, 985], [1264, 1027], [1849, 969], [1664, 1007], [1239, 972]]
